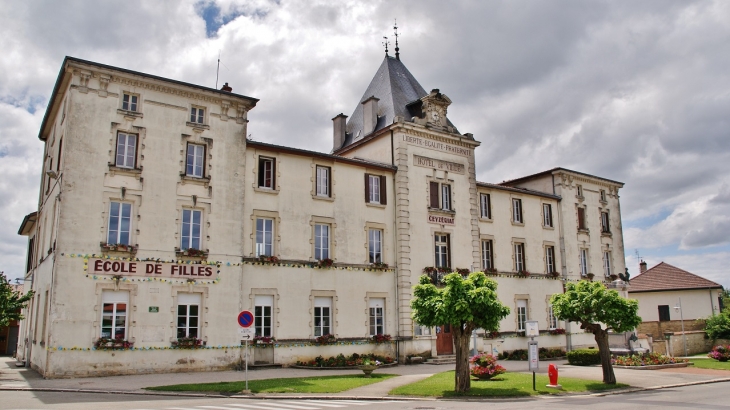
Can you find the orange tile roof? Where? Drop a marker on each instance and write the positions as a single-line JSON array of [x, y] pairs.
[[667, 277]]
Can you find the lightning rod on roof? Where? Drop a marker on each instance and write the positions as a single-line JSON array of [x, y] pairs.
[[395, 30], [218, 69], [385, 43]]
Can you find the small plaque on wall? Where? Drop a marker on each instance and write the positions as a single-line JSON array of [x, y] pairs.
[[154, 309]]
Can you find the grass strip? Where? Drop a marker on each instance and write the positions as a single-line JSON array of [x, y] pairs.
[[319, 384], [505, 385], [711, 364]]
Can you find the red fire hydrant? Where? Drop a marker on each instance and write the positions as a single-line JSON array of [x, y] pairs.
[[553, 376]]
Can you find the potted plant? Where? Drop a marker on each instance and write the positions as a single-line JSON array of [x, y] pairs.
[[368, 366], [720, 353], [188, 343], [491, 271], [191, 253], [325, 263], [463, 271], [589, 276], [493, 334], [523, 273], [553, 274], [117, 343], [263, 340], [613, 277], [117, 247], [379, 265], [327, 339], [268, 259], [484, 366], [381, 338], [557, 331]]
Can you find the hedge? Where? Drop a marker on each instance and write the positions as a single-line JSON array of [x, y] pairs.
[[584, 357]]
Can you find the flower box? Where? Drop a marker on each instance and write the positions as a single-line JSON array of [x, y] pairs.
[[381, 338], [117, 247], [191, 253], [188, 343], [325, 263], [327, 339], [379, 265], [105, 343]]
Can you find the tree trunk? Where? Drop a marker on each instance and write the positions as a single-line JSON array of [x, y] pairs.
[[462, 377], [605, 352]]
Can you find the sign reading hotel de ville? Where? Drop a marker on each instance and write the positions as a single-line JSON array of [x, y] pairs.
[[149, 269], [438, 164]]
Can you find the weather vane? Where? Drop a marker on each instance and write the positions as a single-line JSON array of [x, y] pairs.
[[395, 30], [385, 43]]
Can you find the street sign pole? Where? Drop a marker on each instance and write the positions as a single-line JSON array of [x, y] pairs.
[[245, 321], [247, 365], [533, 354]]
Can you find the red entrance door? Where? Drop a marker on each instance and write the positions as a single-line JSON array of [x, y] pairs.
[[444, 341]]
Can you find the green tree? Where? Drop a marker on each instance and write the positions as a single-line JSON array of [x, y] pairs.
[[465, 304], [718, 326], [11, 302], [592, 305]]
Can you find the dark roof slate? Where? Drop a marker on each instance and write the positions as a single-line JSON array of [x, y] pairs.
[[552, 171], [308, 153], [667, 277]]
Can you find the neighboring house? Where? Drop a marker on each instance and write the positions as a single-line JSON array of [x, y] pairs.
[[159, 220], [9, 334], [660, 292]]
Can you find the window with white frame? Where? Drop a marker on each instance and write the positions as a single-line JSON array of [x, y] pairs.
[[321, 241], [517, 210], [579, 190], [547, 215], [126, 150], [263, 315], [323, 181], [441, 257], [607, 263], [375, 245], [191, 229], [519, 249], [552, 319], [195, 160], [605, 223], [264, 237], [377, 316], [603, 195], [487, 255], [267, 173], [420, 330], [375, 189], [446, 197], [583, 260], [120, 222], [440, 196], [129, 102], [521, 314], [197, 115], [485, 206], [322, 316], [188, 315], [114, 314], [550, 259]]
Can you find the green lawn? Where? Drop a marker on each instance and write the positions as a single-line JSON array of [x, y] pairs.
[[505, 385], [711, 364], [320, 384]]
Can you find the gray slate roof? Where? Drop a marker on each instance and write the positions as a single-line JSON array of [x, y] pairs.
[[395, 87]]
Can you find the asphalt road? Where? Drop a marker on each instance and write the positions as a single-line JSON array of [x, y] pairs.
[[705, 396]]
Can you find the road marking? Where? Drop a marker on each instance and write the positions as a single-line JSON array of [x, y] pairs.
[[318, 403], [265, 407], [353, 402]]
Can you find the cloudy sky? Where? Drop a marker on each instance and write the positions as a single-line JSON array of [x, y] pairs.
[[636, 91]]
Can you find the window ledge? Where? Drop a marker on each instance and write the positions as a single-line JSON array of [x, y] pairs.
[[323, 198], [266, 190], [607, 234], [125, 171], [195, 180], [603, 201], [118, 249], [197, 126], [584, 230], [488, 220], [552, 228], [442, 211], [192, 254], [580, 198], [518, 223], [375, 205], [127, 113]]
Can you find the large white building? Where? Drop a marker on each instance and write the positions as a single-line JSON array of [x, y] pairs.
[[158, 220]]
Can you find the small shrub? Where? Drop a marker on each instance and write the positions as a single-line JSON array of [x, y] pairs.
[[718, 326], [484, 366], [720, 353], [584, 357], [648, 359], [381, 338], [326, 339]]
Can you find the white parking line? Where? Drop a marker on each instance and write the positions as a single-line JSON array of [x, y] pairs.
[[318, 403]]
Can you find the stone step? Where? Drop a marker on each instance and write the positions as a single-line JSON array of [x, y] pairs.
[[443, 359]]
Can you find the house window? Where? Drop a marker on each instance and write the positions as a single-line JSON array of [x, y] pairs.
[[377, 316], [579, 189], [188, 315], [664, 313], [521, 314], [519, 257], [129, 102], [375, 189], [607, 263], [583, 260], [517, 210], [487, 255], [267, 173], [321, 241], [550, 259], [263, 316], [605, 227], [485, 206], [603, 195], [581, 218], [375, 245], [126, 150], [323, 181], [440, 196], [190, 238], [195, 160], [552, 319], [197, 115], [120, 222], [419, 330], [322, 316], [114, 314], [264, 237], [441, 241], [547, 215]]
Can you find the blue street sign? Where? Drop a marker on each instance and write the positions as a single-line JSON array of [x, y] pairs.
[[245, 318]]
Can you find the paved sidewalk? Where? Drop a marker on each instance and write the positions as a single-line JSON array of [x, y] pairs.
[[12, 377]]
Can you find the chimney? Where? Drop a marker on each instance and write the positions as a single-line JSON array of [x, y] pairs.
[[339, 124], [226, 88], [369, 115], [642, 267]]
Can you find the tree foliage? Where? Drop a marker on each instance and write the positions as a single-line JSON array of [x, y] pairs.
[[718, 326], [464, 303], [594, 306], [11, 302]]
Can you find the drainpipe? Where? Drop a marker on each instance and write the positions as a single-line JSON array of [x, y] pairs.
[[395, 244], [564, 266]]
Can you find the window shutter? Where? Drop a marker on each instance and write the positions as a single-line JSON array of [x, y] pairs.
[[434, 192], [273, 173], [261, 171], [448, 250], [329, 182], [383, 198], [581, 218], [367, 188]]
